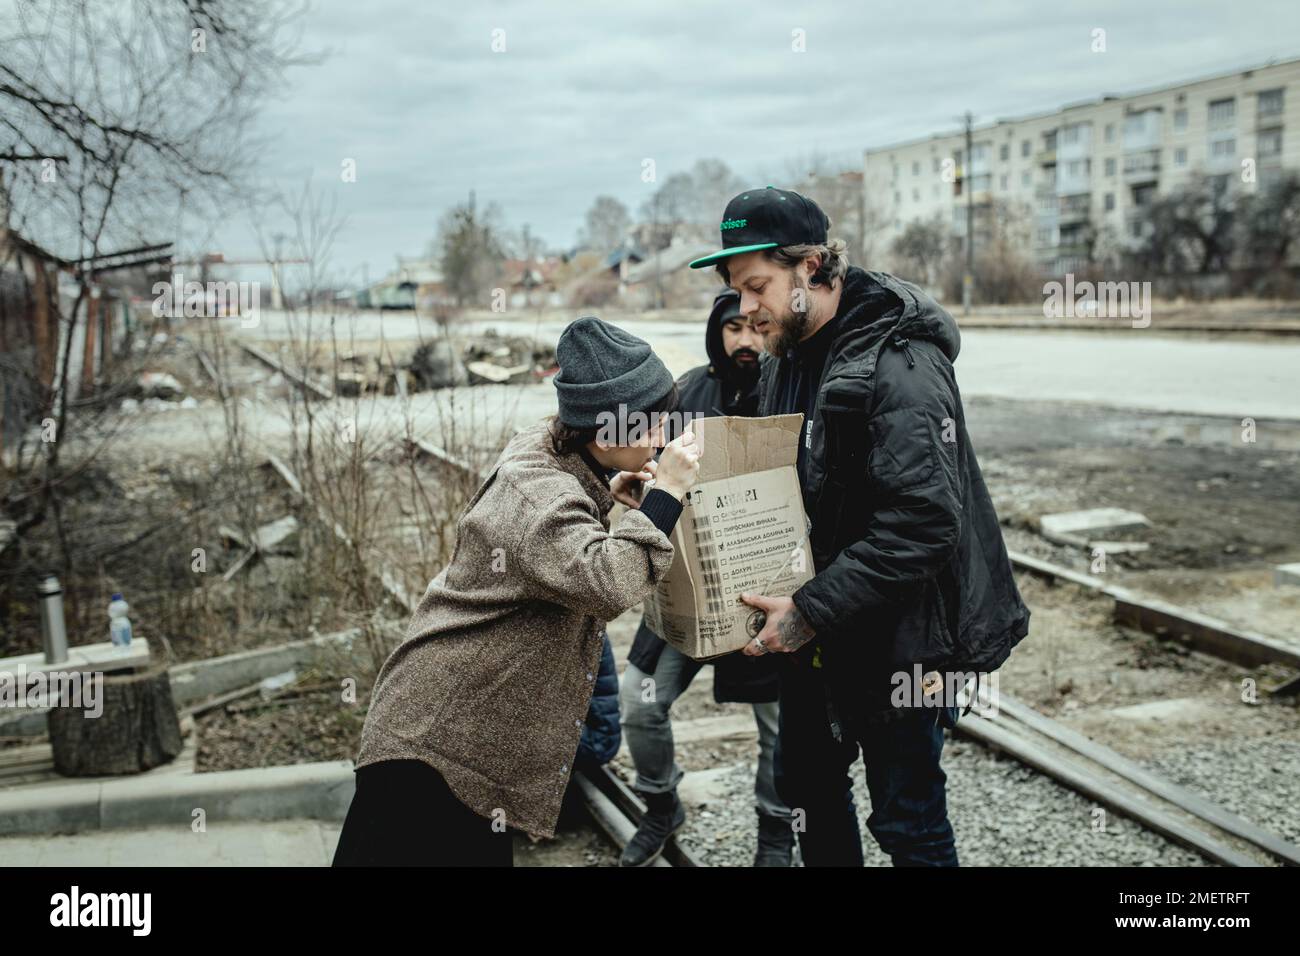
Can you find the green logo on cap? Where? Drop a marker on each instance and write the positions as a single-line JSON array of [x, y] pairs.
[[733, 224]]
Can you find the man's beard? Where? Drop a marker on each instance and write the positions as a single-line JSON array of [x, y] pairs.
[[744, 374], [793, 326]]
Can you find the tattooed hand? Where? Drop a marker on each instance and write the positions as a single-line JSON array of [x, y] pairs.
[[785, 629]]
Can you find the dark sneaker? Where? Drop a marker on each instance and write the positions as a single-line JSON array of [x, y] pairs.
[[775, 841], [664, 816]]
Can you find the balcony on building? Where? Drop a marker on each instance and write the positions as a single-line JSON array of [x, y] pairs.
[[1142, 130], [1142, 167], [1074, 142], [1074, 209], [1221, 152], [1074, 177], [1047, 155]]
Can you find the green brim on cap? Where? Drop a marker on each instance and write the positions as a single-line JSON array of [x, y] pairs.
[[713, 257]]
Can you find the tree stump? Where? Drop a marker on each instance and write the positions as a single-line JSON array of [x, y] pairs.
[[137, 730]]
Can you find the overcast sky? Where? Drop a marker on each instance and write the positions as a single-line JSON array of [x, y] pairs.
[[584, 92]]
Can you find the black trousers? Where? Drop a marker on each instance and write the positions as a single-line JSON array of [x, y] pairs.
[[909, 814], [404, 814]]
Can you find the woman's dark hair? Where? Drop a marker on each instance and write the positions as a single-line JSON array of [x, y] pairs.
[[566, 439]]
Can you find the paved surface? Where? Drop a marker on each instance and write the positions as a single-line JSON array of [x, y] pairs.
[[1137, 368], [1133, 369], [280, 843]]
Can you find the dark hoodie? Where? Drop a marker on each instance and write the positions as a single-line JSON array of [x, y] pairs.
[[721, 387], [911, 566]]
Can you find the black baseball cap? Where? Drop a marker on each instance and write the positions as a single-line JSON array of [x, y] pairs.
[[766, 218]]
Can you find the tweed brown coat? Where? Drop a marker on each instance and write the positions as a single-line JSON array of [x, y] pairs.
[[492, 682]]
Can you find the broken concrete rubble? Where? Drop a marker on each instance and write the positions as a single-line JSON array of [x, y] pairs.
[[1092, 528]]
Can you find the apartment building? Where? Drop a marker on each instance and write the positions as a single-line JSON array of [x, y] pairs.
[[1080, 175]]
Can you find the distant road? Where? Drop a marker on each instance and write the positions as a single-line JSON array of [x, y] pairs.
[[1138, 368], [1259, 378], [1253, 377]]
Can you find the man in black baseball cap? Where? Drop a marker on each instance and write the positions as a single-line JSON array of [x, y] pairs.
[[765, 219], [912, 573], [764, 233]]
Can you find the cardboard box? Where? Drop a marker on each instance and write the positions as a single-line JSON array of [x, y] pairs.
[[742, 528]]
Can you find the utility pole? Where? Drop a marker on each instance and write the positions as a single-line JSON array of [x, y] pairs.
[[968, 280], [659, 279]]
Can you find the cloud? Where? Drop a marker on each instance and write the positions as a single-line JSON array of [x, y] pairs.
[[585, 91]]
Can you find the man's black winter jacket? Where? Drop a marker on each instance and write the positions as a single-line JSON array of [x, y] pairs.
[[911, 565]]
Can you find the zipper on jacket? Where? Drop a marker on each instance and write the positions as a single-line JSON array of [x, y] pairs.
[[831, 716]]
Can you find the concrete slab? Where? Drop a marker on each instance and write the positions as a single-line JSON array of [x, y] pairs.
[[282, 843], [1120, 547], [314, 791], [104, 656], [320, 791], [1072, 526], [705, 787], [1181, 709], [1287, 575]]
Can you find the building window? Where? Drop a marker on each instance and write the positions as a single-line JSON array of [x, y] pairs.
[[1004, 152], [898, 198], [1110, 132], [916, 168], [1110, 167], [1025, 178], [1180, 157], [934, 191], [1270, 103], [1223, 148], [1180, 120], [1070, 136], [936, 164], [1269, 143], [1222, 113], [956, 156], [1025, 147], [916, 195], [1003, 182], [1110, 201]]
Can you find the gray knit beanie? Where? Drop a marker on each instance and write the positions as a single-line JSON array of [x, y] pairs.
[[602, 367]]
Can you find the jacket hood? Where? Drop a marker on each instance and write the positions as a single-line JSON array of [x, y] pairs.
[[721, 366], [889, 307]]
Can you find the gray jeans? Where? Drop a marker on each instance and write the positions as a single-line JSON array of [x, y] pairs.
[[643, 707]]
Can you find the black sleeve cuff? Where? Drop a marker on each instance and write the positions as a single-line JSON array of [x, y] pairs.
[[662, 509]]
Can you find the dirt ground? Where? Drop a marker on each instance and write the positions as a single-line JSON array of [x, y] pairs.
[[1223, 511]]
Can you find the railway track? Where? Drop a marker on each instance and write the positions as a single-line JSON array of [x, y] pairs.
[[617, 810], [1124, 786], [1200, 631]]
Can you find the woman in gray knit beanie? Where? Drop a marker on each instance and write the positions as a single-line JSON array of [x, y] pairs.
[[475, 718]]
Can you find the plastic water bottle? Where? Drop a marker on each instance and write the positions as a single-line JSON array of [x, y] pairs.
[[119, 625]]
